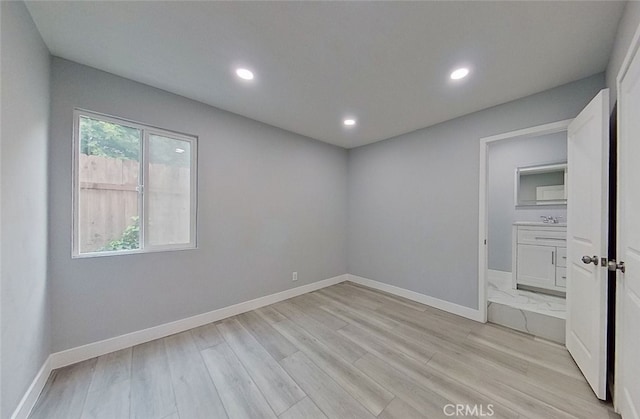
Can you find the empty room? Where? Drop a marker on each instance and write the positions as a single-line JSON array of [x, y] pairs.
[[319, 209]]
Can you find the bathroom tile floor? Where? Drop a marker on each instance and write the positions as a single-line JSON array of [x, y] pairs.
[[500, 290]]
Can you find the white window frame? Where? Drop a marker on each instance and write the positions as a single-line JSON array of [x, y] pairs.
[[143, 198]]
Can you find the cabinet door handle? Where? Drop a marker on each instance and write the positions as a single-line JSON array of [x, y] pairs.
[[552, 256], [550, 238]]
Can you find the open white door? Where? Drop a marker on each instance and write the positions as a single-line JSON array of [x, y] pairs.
[[627, 388], [587, 229]]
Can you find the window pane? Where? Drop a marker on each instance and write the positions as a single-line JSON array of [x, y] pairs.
[[169, 191], [108, 172]]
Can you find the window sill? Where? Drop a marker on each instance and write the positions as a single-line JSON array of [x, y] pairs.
[[131, 252]]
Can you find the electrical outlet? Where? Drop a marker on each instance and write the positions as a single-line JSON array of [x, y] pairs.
[[294, 277]]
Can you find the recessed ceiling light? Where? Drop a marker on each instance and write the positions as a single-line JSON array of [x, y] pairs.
[[349, 122], [459, 73], [244, 74], [179, 150]]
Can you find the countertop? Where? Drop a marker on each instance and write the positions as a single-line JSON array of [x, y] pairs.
[[538, 224]]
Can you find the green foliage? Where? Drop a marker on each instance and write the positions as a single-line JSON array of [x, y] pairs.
[[100, 138], [106, 139], [129, 240]]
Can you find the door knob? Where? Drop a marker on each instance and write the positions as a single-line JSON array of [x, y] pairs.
[[614, 266], [590, 259]]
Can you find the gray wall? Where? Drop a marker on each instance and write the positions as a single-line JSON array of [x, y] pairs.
[[626, 29], [413, 199], [25, 309], [270, 202], [502, 160]]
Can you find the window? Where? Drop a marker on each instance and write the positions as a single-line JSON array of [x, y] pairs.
[[134, 187]]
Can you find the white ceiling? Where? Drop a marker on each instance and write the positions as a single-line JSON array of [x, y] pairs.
[[385, 63]]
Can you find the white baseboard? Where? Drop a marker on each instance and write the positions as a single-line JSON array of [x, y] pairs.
[[469, 313], [92, 350], [31, 396]]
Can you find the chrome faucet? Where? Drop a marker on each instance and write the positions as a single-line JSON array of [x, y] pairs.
[[549, 219]]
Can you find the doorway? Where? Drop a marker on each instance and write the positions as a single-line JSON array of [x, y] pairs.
[[523, 228], [578, 252]]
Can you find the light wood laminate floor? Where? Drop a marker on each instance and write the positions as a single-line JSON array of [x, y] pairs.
[[341, 352]]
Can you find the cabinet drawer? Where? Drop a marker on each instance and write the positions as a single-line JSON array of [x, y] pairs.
[[562, 257], [561, 277], [544, 238]]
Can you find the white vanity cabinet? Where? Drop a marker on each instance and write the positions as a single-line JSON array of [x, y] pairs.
[[540, 256]]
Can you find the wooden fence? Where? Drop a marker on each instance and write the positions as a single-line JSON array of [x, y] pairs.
[[109, 201]]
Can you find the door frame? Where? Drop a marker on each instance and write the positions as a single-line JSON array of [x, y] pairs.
[[634, 48], [483, 208]]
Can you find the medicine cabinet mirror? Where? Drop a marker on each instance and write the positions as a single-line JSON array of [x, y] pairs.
[[541, 185]]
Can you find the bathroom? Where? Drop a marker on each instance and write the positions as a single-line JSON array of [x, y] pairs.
[[526, 240]]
